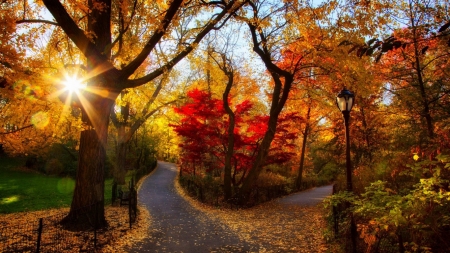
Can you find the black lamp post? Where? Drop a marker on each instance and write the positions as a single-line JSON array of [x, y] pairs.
[[344, 101]]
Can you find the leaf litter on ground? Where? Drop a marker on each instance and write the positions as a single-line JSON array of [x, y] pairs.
[[116, 237], [275, 227]]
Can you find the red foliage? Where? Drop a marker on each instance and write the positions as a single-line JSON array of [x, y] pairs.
[[204, 127]]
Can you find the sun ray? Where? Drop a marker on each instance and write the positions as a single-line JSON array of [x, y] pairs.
[[73, 84], [68, 92], [89, 109], [74, 91]]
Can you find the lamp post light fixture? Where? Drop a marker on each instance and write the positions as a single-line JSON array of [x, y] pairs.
[[344, 101]]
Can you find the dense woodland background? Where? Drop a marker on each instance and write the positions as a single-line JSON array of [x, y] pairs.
[[240, 94]]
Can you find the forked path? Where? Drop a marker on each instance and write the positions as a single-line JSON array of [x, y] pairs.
[[178, 227]]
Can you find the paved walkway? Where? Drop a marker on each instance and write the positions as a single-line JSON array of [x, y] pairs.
[[309, 197], [178, 227]]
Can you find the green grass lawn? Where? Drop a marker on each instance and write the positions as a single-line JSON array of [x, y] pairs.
[[30, 191]]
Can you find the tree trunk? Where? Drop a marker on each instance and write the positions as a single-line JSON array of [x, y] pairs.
[[121, 156], [88, 201], [107, 81], [227, 68], [282, 85], [302, 155], [418, 68], [87, 206], [230, 147], [123, 138], [261, 156], [366, 133]]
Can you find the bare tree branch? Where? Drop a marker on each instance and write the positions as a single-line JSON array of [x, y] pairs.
[[37, 21], [81, 66], [170, 14], [15, 130], [230, 8], [77, 35], [123, 31]]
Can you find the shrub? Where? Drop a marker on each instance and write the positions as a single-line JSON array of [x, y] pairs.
[[270, 179], [206, 189], [66, 157], [284, 170], [415, 218], [54, 167]]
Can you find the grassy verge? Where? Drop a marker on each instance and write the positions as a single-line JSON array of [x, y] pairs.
[[22, 190]]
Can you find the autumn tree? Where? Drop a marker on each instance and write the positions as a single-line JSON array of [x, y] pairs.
[[409, 65], [414, 56], [128, 115], [99, 31], [225, 59], [27, 124], [32, 118], [204, 127], [257, 16], [306, 90], [272, 30], [389, 121], [282, 140], [324, 68], [225, 64]]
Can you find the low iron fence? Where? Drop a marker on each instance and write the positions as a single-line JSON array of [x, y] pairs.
[[140, 173], [206, 193], [47, 234], [213, 193], [261, 194]]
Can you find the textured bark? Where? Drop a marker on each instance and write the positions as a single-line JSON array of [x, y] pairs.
[[418, 68], [88, 199], [302, 155], [227, 68], [121, 156], [230, 146], [366, 133], [261, 156], [123, 138]]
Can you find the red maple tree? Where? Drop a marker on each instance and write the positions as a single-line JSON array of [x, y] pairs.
[[204, 127]]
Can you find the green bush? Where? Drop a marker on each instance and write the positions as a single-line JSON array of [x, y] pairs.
[[271, 178], [413, 219], [61, 155], [284, 170]]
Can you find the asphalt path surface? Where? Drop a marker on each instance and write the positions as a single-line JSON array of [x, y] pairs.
[[309, 197], [178, 227]]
